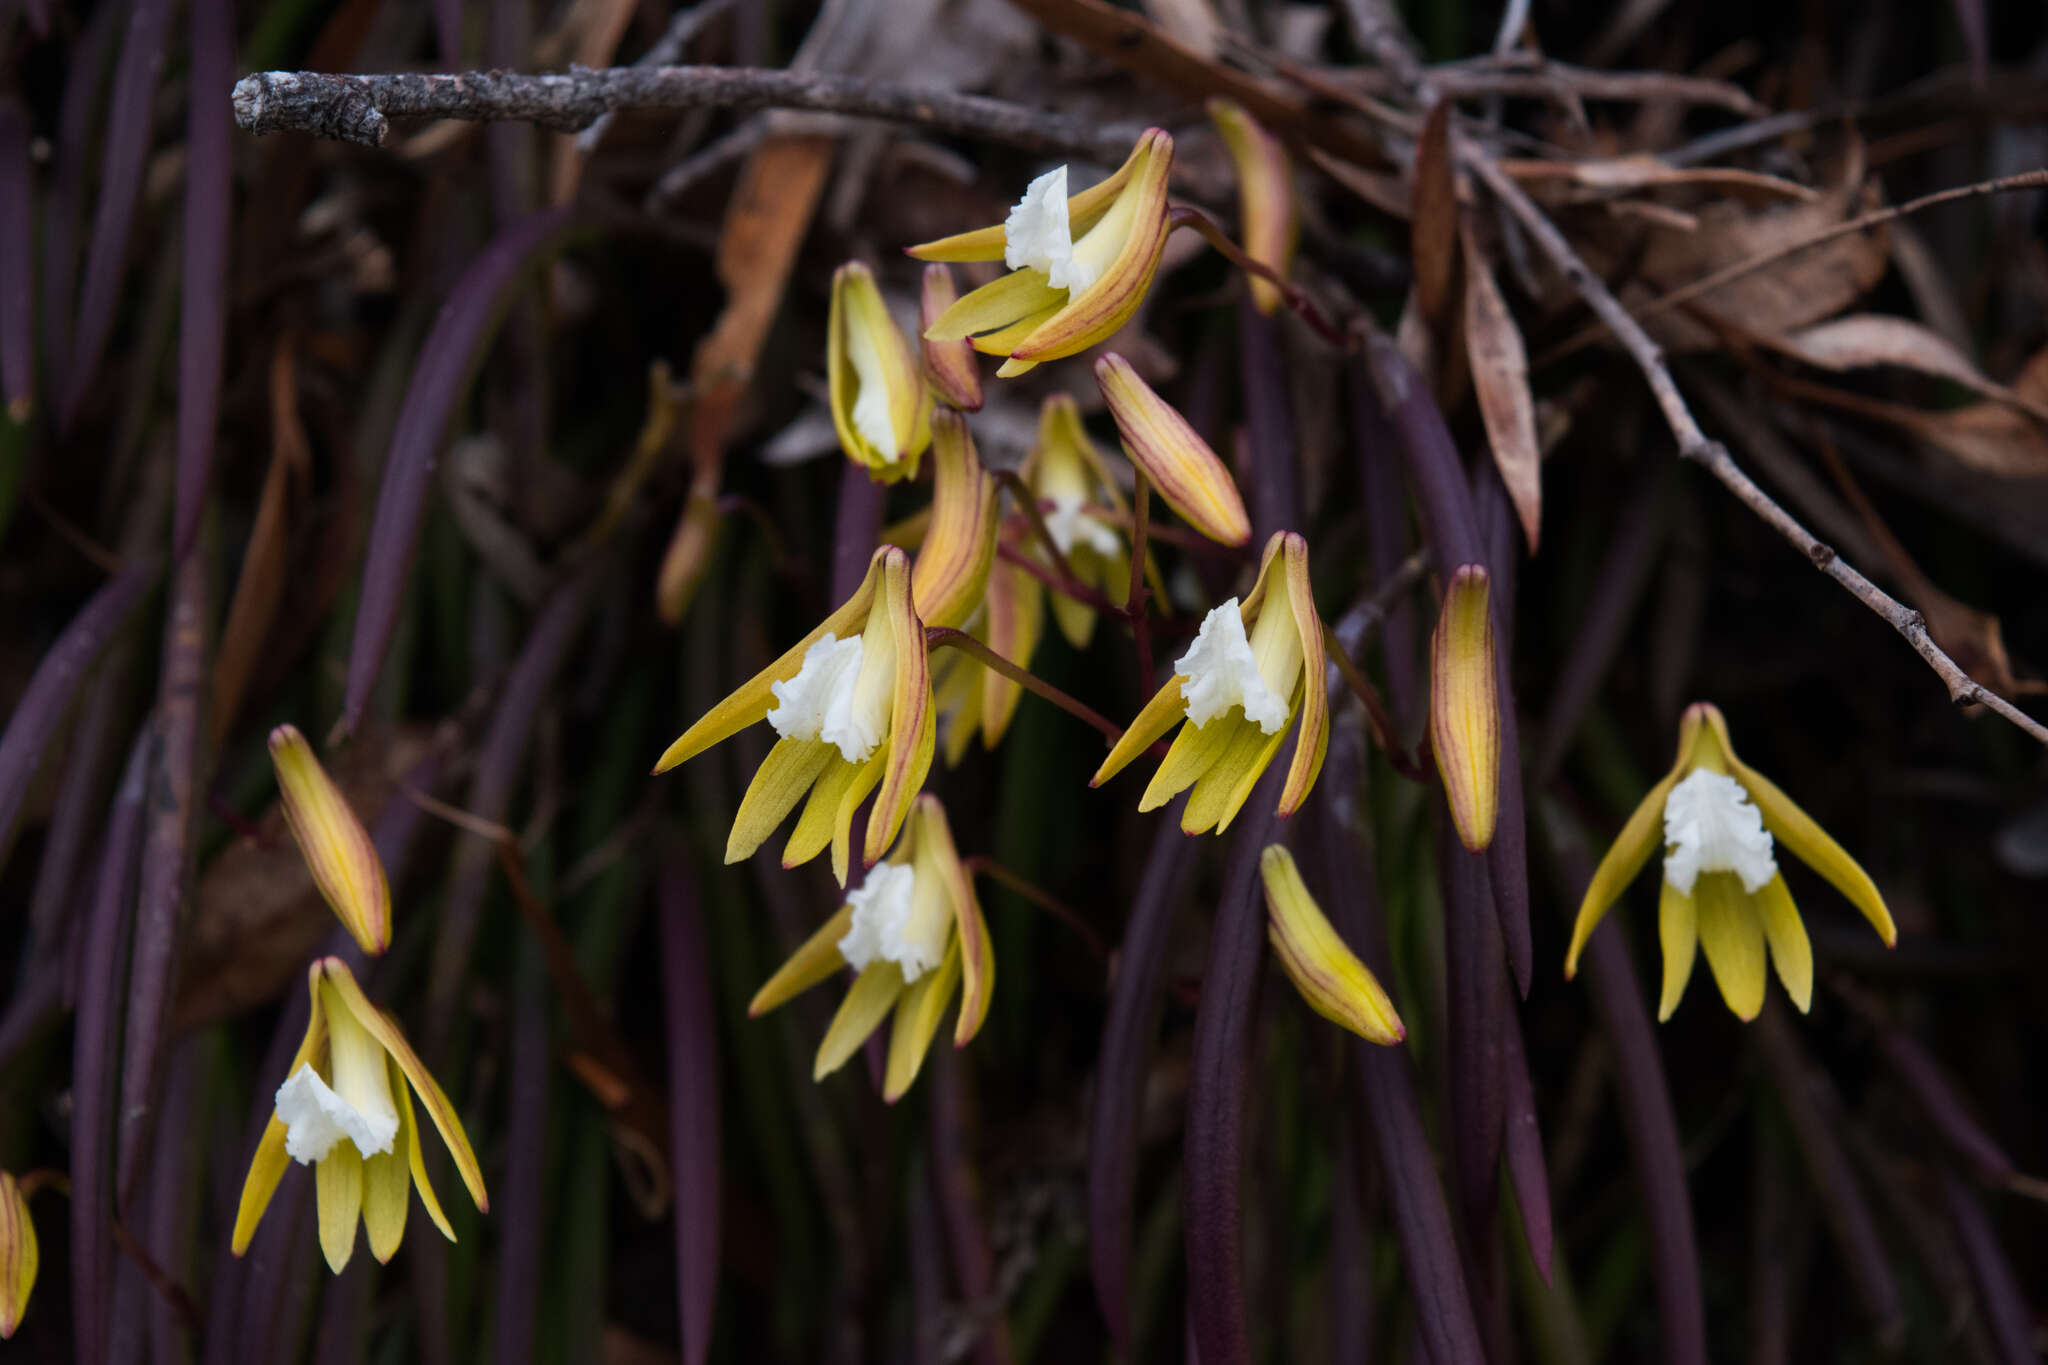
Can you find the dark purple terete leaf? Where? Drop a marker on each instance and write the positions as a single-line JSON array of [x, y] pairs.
[[499, 766], [1271, 466], [959, 1208], [927, 1286], [692, 1100], [343, 1336], [1931, 1089], [448, 359], [448, 33], [17, 265], [1212, 1144], [95, 1058], [84, 77], [202, 320], [172, 1194], [2006, 1314], [1476, 1015], [92, 754], [1444, 1321], [1388, 542], [1623, 575], [856, 530], [47, 698], [1647, 1120], [1128, 1038], [523, 1198], [35, 1004], [127, 150], [1507, 857], [1351, 1296], [1522, 1139], [166, 861], [1813, 1110]]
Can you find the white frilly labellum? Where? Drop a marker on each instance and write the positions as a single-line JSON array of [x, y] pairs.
[[1069, 525], [882, 921], [1220, 672], [818, 703], [315, 1118], [871, 400], [1038, 235], [1710, 826]]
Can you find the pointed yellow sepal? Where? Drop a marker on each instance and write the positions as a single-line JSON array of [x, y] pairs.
[[1331, 979], [880, 404], [1118, 227], [19, 1255], [949, 366], [336, 847], [1265, 196], [951, 573], [1738, 929], [362, 1061], [1177, 461], [1464, 706]]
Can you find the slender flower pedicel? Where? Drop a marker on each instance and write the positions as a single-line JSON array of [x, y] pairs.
[[914, 932], [346, 1108], [19, 1256], [336, 847], [852, 704], [1720, 822], [1079, 265], [1239, 691], [880, 404]]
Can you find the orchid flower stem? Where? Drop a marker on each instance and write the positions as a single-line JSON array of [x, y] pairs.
[[167, 1288], [1069, 587], [983, 865], [936, 636], [1140, 594], [1187, 215], [1028, 502], [1381, 724]]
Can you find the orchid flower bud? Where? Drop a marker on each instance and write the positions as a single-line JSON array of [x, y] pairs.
[[1265, 196], [880, 405], [1177, 461], [1322, 967], [336, 847], [1464, 707]]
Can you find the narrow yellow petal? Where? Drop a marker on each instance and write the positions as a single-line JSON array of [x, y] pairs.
[[913, 727], [1083, 211], [1166, 709], [1796, 830], [1732, 934], [1003, 340], [336, 847], [1194, 751], [1678, 930], [385, 1030], [873, 992], [1221, 792], [751, 702], [950, 577], [1464, 706], [1791, 953], [782, 780], [267, 1167], [1312, 740], [817, 960], [997, 305], [415, 1153], [929, 841], [20, 1257], [1177, 461], [1639, 838], [1016, 621], [865, 778], [813, 832], [338, 1195], [387, 1191], [918, 1012], [1265, 195], [1329, 976]]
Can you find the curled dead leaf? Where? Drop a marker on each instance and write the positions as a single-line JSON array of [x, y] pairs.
[[1500, 379]]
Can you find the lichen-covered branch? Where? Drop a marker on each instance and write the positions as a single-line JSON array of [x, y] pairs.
[[359, 108]]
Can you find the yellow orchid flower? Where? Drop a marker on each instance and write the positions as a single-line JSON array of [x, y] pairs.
[[880, 405], [914, 932], [1073, 485], [1265, 196], [1079, 265], [1722, 888], [336, 847], [1253, 668], [972, 698], [1331, 979], [19, 1258], [346, 1107], [852, 702], [1173, 456], [1464, 707], [951, 572]]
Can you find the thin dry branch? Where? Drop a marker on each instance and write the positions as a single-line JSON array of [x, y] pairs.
[[358, 108], [1378, 30]]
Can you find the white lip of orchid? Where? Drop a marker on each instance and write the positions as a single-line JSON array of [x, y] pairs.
[[1068, 524], [823, 700], [886, 927], [1220, 671], [871, 416], [1710, 826], [1037, 234], [316, 1118]]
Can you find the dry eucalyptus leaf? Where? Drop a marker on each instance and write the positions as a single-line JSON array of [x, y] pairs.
[[1500, 378]]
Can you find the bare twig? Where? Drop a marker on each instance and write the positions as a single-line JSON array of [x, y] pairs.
[[664, 51], [1521, 74], [357, 108]]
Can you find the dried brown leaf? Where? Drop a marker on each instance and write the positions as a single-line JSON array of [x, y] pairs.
[[1866, 340], [1433, 231], [1500, 378], [1639, 172]]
